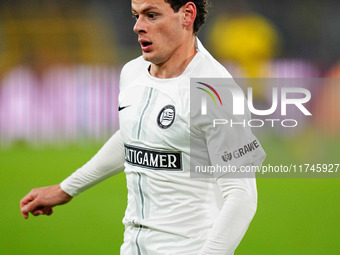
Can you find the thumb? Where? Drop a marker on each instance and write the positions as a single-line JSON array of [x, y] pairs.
[[31, 206]]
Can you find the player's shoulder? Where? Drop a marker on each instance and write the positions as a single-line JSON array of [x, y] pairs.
[[208, 66], [132, 72], [213, 68], [134, 66]]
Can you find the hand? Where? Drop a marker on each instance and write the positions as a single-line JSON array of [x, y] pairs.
[[41, 200]]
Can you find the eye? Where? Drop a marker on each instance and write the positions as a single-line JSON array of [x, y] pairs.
[[152, 15], [135, 16]]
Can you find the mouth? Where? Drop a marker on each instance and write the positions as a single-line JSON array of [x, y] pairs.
[[146, 45]]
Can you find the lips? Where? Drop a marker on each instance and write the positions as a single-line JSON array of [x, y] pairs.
[[145, 44]]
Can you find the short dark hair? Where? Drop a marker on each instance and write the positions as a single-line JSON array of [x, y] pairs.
[[202, 10]]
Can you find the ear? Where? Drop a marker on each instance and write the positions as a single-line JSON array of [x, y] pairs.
[[189, 14]]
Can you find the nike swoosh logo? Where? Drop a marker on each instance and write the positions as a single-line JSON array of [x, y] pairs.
[[123, 107]]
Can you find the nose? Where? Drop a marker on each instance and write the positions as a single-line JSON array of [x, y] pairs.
[[139, 26]]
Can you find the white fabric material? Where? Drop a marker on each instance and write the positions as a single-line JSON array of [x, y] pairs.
[[239, 207], [108, 161], [169, 212]]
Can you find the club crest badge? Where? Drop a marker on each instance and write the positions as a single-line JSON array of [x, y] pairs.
[[166, 117], [227, 156]]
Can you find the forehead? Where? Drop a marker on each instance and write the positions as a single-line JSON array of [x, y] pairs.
[[141, 5]]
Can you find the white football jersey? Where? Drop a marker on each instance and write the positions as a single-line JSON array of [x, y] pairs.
[[168, 212]]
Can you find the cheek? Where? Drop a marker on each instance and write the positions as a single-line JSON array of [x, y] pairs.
[[171, 35], [177, 31], [171, 28], [168, 34]]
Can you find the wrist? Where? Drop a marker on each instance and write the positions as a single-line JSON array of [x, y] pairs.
[[67, 197]]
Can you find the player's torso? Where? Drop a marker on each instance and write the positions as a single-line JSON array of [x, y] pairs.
[[154, 118], [168, 212], [154, 123]]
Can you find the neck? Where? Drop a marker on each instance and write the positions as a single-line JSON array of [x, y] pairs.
[[177, 63]]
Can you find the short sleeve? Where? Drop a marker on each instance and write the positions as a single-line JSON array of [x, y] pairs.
[[227, 136]]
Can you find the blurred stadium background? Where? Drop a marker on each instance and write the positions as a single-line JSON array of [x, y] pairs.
[[59, 74]]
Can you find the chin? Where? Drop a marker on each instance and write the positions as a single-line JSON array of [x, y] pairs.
[[156, 60], [146, 56], [149, 58]]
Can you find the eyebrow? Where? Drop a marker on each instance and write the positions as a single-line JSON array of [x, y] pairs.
[[145, 10]]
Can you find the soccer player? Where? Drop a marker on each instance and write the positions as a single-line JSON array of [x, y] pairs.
[[168, 212]]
